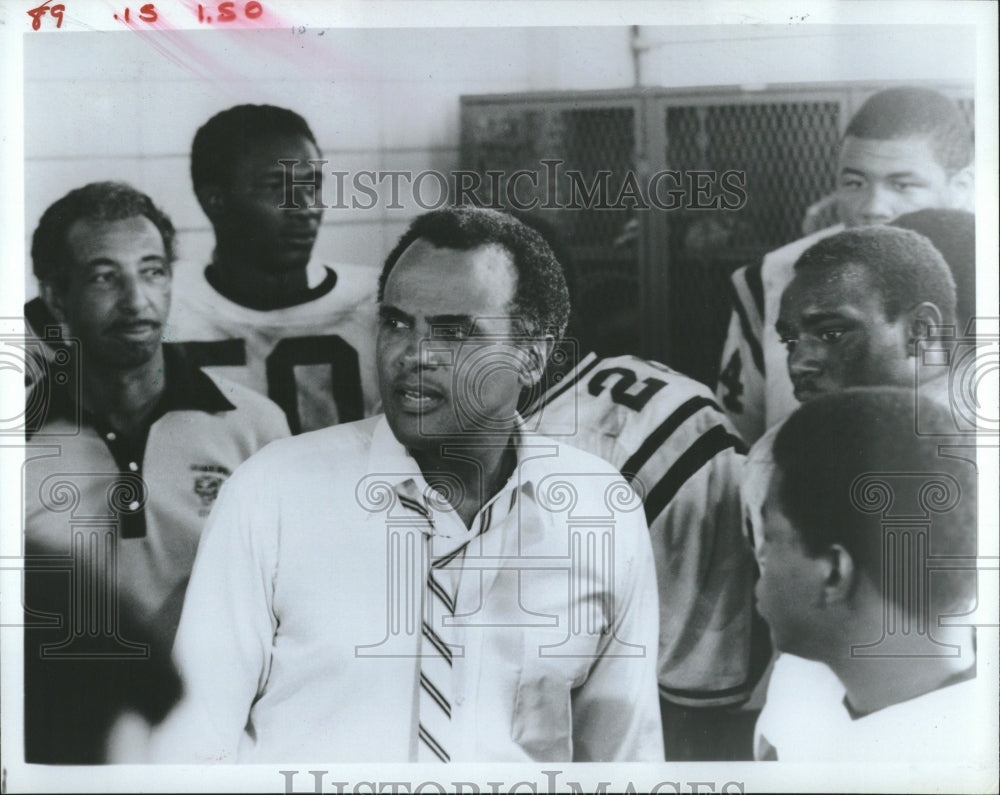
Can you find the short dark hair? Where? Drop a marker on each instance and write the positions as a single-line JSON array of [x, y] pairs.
[[828, 445], [913, 112], [953, 233], [904, 266], [97, 201], [225, 137], [541, 298]]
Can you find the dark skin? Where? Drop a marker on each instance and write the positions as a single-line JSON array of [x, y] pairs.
[[115, 300], [261, 249]]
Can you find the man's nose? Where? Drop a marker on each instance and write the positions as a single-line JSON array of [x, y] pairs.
[[806, 358], [878, 205], [133, 296]]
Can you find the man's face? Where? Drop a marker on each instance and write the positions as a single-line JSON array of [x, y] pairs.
[[789, 590], [834, 325], [250, 218], [447, 368], [880, 180], [118, 292]]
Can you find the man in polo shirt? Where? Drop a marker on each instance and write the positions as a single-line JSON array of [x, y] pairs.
[[120, 473], [435, 584]]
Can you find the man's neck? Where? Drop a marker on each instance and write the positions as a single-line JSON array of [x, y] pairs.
[[873, 683], [243, 281], [124, 398], [480, 471]]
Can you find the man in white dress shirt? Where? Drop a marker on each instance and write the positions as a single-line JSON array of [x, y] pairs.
[[438, 583]]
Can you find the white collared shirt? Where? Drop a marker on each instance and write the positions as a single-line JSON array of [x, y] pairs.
[[293, 644]]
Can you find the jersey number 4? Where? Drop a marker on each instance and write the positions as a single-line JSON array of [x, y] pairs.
[[289, 353]]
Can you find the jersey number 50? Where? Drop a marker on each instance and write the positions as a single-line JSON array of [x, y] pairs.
[[280, 364]]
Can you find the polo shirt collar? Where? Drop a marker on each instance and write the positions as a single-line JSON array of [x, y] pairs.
[[186, 388]]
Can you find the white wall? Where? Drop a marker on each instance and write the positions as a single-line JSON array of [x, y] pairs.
[[116, 105]]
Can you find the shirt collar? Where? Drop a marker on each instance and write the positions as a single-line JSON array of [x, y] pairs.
[[186, 388], [390, 459]]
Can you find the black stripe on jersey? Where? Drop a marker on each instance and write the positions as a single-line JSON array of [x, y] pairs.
[[709, 444], [756, 351], [653, 442], [755, 283], [569, 381]]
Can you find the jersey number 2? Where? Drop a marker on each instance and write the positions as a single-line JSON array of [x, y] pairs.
[[620, 391]]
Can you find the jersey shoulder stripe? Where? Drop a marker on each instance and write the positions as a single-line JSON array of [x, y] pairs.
[[714, 441], [745, 288], [663, 432]]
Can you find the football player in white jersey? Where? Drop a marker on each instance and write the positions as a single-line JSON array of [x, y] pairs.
[[667, 435], [905, 149], [261, 312], [880, 663]]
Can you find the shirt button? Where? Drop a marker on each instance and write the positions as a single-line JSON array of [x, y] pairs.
[[133, 466], [134, 505], [111, 436]]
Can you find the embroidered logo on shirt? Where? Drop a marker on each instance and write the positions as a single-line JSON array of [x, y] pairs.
[[207, 484]]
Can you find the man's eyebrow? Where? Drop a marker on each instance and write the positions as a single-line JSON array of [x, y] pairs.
[[391, 313], [820, 316], [451, 320]]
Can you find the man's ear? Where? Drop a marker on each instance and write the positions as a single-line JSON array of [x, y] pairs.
[[962, 189], [535, 359], [838, 571], [212, 200], [924, 319], [53, 300]]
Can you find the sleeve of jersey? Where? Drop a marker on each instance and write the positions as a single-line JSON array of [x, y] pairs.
[[704, 563], [740, 386], [223, 643]]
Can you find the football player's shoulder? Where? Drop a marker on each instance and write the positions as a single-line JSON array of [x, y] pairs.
[[667, 388], [778, 264], [555, 456], [356, 284]]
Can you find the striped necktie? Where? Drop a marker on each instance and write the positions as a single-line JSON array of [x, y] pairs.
[[434, 730]]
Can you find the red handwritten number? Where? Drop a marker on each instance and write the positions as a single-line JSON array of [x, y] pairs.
[[36, 14], [225, 12]]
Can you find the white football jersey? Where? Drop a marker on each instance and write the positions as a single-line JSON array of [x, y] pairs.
[[806, 719], [668, 437], [316, 359]]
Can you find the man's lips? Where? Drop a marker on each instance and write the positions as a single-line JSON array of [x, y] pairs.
[[299, 237], [805, 390], [417, 396], [138, 329]]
